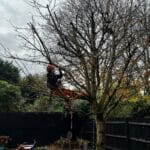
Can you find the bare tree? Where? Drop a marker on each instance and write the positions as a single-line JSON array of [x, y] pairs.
[[97, 44]]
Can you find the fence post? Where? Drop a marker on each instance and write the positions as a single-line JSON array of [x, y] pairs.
[[128, 134]]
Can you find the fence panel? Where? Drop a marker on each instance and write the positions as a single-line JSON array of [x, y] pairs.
[[43, 127], [128, 134]]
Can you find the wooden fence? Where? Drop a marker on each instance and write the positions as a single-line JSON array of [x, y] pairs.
[[128, 134], [25, 127], [121, 134]]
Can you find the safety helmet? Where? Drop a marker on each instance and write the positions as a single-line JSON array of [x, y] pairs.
[[50, 67]]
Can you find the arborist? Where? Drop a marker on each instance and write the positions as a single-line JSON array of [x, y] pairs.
[[53, 79], [54, 84]]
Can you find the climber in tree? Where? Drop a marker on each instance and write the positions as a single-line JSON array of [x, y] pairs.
[[53, 79]]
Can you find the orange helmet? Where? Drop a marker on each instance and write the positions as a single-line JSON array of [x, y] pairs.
[[50, 67]]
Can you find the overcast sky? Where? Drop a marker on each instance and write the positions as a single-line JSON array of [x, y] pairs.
[[18, 13], [15, 12]]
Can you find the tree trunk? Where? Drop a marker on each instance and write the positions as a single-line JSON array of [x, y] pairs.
[[100, 132]]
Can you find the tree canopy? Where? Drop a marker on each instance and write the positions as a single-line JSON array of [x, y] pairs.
[[97, 44], [33, 86], [8, 72], [10, 97]]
